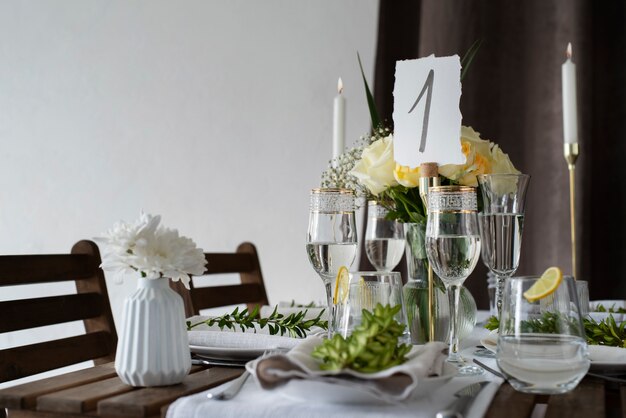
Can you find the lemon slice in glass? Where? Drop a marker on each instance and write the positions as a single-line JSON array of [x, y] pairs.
[[546, 285], [342, 285]]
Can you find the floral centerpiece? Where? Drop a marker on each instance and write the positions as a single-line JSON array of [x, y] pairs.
[[153, 348], [370, 170], [396, 186]]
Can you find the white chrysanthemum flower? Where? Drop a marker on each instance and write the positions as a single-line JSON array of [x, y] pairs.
[[152, 251]]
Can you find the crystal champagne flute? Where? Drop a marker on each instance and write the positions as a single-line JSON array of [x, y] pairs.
[[331, 238], [384, 238], [453, 249], [501, 224]]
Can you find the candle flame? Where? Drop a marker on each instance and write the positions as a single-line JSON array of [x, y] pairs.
[[569, 50], [339, 86]]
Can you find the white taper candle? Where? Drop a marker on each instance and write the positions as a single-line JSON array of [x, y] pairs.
[[570, 113], [339, 121]]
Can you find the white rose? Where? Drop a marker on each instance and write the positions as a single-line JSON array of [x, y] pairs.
[[375, 168]]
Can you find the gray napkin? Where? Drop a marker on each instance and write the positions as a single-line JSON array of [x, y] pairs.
[[393, 384]]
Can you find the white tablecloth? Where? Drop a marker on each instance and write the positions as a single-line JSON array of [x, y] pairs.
[[256, 402]]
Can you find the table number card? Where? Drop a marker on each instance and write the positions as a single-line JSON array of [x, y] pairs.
[[426, 115]]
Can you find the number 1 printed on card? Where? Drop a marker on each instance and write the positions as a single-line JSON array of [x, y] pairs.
[[428, 89]]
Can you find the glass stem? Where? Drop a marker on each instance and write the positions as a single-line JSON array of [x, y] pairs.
[[328, 284], [454, 292], [499, 292]]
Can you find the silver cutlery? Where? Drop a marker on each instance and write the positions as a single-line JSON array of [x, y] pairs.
[[466, 397], [490, 370], [608, 378], [232, 390], [236, 385], [221, 363]]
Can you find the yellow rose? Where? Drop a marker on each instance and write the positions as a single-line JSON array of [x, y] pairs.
[[481, 157], [406, 176], [501, 162], [375, 168]]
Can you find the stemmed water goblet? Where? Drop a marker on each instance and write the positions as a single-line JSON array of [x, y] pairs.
[[453, 249], [331, 238], [501, 224], [384, 238]]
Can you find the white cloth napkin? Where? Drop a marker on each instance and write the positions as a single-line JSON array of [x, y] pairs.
[[206, 336], [393, 384], [255, 402]]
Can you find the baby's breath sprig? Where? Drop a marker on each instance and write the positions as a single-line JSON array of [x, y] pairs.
[[337, 175]]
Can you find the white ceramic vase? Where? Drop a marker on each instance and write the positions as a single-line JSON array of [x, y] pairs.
[[153, 348]]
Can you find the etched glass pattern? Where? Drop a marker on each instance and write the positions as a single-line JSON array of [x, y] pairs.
[[444, 201], [331, 201], [375, 210]]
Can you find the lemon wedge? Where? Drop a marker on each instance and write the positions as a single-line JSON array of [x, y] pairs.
[[546, 285], [342, 285]]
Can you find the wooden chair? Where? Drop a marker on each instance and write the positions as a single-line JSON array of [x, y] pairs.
[[251, 291], [90, 304]]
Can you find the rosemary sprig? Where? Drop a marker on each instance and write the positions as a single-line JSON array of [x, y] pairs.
[[293, 324], [605, 332], [612, 309], [293, 304]]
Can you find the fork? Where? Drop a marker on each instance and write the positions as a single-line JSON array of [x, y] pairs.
[[233, 389]]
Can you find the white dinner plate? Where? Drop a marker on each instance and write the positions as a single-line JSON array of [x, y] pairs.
[[318, 391], [228, 353], [602, 358], [607, 358]]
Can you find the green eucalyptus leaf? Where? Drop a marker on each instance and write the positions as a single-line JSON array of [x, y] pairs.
[[371, 104]]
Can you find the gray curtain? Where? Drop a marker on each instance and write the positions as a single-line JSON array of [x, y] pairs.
[[512, 96]]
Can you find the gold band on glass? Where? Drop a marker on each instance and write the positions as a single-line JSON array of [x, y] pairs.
[[453, 188]]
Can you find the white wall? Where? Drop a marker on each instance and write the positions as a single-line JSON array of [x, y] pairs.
[[215, 114]]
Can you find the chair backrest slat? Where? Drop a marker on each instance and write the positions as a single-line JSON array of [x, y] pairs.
[[31, 313], [27, 269], [229, 263], [90, 304], [251, 291], [215, 296], [27, 360]]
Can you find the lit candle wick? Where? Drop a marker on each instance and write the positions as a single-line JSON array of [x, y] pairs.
[[569, 50]]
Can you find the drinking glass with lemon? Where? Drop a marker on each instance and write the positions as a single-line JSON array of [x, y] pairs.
[[541, 340]]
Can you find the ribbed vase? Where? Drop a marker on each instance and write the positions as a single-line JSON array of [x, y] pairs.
[[153, 348]]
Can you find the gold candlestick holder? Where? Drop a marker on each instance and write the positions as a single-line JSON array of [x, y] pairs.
[[570, 151], [429, 177]]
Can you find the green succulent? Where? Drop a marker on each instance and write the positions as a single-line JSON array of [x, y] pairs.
[[372, 346]]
